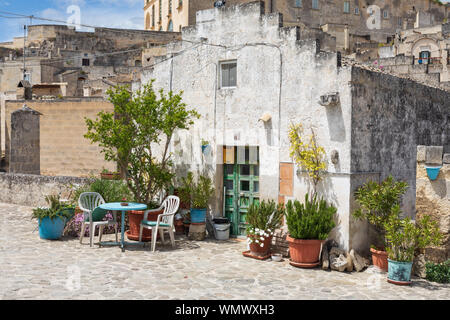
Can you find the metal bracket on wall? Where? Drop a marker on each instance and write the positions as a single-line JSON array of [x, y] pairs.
[[329, 99]]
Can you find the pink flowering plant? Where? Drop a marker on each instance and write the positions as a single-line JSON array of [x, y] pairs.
[[262, 221]]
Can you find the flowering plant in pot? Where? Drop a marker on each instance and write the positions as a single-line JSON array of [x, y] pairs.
[[52, 219], [309, 225], [403, 238], [263, 219], [377, 203]]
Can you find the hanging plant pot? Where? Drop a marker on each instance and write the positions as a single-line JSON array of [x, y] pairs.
[[380, 259], [399, 272], [433, 171]]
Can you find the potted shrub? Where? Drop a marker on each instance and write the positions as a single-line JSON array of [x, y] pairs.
[[197, 194], [376, 205], [403, 238], [137, 136], [205, 145], [262, 219], [52, 220], [309, 225]]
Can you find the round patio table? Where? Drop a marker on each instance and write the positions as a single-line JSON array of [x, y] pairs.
[[116, 206]]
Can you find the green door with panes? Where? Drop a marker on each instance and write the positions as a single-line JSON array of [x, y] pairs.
[[241, 181]]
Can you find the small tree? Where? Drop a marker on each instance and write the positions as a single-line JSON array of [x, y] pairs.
[[137, 136], [308, 155]]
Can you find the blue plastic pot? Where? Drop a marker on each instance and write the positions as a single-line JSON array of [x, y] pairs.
[[198, 215], [399, 272], [51, 229], [433, 172]]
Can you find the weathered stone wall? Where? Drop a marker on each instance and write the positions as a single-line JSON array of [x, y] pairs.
[[30, 190], [433, 197], [64, 150]]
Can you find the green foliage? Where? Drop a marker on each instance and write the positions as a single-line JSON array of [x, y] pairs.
[[137, 136], [312, 220], [111, 190], [266, 216], [308, 155], [438, 272], [55, 209], [197, 194], [205, 142], [379, 201], [403, 236]]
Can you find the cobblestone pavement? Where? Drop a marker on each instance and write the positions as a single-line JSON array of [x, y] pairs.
[[31, 268]]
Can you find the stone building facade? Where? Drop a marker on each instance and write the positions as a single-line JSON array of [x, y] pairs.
[[250, 77]]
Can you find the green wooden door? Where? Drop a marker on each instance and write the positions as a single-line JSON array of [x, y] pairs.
[[241, 181]]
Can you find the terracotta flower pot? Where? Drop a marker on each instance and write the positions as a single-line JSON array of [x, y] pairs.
[[304, 253], [256, 249], [380, 259], [135, 219]]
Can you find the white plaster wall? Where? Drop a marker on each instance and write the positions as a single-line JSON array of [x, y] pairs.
[[230, 116]]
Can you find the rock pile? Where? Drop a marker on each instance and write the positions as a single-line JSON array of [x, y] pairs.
[[338, 259]]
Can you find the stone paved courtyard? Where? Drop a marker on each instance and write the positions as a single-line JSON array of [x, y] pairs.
[[32, 268]]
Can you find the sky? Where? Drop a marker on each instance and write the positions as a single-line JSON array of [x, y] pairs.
[[126, 14]]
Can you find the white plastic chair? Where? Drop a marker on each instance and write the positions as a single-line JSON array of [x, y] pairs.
[[87, 202], [164, 221]]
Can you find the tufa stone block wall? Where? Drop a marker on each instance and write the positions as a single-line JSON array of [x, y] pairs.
[[433, 197], [63, 149]]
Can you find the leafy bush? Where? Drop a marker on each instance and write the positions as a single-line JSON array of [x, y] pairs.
[[263, 219], [403, 236], [438, 272], [312, 220], [56, 209], [378, 202], [197, 194]]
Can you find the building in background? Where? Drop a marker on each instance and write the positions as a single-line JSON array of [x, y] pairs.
[[351, 22]]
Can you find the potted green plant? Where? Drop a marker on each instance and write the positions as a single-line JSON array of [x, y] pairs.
[[140, 123], [309, 225], [108, 175], [376, 205], [197, 194], [262, 220], [205, 144], [403, 238], [52, 219]]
